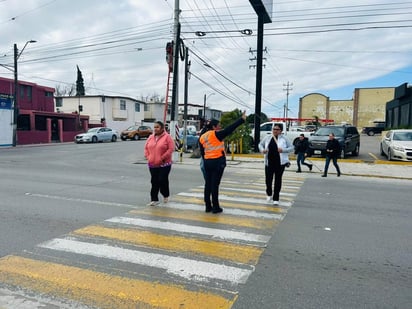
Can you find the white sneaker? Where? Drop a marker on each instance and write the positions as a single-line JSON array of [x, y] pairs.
[[275, 202], [165, 200], [153, 203], [268, 199]]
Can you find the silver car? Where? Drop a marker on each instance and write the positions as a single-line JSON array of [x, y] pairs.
[[397, 145], [94, 135]]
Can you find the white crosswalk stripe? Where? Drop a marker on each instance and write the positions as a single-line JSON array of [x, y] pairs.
[[173, 246]]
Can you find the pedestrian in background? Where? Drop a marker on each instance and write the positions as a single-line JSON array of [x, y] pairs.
[[158, 151], [276, 148], [212, 149], [332, 152], [301, 151]]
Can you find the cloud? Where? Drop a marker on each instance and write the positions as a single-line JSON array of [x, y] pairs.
[[329, 47]]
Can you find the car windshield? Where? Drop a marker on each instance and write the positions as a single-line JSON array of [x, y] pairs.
[[131, 128], [92, 130], [402, 136], [325, 131]]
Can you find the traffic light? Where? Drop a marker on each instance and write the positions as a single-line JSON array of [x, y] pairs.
[[80, 108]]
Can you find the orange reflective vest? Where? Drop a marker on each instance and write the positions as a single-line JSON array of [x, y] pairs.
[[212, 146]]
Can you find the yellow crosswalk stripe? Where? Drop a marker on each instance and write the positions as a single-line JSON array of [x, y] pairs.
[[231, 252], [105, 291], [207, 217]]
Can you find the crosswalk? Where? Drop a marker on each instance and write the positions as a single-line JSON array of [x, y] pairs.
[[170, 256]]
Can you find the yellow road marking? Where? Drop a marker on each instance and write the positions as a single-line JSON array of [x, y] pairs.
[[231, 252], [195, 200], [102, 290], [208, 217]]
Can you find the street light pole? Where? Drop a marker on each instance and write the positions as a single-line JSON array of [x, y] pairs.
[[16, 90], [204, 104]]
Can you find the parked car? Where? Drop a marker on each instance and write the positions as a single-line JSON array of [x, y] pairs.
[[376, 129], [347, 135], [397, 145], [191, 141], [94, 135], [136, 133]]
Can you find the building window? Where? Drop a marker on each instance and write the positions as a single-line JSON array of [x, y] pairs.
[[122, 105], [137, 107], [59, 102], [48, 94], [146, 108]]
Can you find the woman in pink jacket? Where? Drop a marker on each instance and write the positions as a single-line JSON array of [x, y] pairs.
[[158, 151]]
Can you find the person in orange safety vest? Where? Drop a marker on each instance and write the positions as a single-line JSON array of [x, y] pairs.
[[212, 149]]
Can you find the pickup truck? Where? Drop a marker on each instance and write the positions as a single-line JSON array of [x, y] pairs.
[[376, 129], [292, 134]]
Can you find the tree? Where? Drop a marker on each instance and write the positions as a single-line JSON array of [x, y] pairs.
[[67, 90], [242, 133], [251, 118], [79, 83]]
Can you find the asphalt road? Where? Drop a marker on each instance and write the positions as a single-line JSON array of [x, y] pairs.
[[345, 242]]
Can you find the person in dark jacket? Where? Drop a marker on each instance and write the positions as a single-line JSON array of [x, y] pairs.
[[301, 151], [332, 152], [212, 149]]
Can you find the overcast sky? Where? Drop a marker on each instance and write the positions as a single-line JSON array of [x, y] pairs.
[[328, 47]]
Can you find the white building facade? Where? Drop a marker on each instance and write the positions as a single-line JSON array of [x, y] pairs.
[[117, 112]]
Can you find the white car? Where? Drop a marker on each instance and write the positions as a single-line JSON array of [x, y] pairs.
[[397, 145], [94, 135]]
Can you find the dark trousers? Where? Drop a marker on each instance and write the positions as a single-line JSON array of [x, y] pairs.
[[160, 182], [213, 174], [277, 170], [301, 160], [335, 164]]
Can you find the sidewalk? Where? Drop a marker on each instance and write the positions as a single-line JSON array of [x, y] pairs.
[[351, 167]]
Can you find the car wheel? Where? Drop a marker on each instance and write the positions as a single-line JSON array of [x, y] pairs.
[[389, 154], [94, 139], [123, 138], [295, 141], [114, 138], [371, 133], [382, 153], [136, 137], [355, 152]]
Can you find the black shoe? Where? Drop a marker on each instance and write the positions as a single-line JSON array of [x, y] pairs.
[[298, 171], [339, 174], [217, 210], [208, 209], [324, 175], [310, 167]]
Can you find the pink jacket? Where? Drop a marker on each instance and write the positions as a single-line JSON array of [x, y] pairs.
[[158, 150]]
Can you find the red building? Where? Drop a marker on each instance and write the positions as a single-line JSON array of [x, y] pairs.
[[37, 122]]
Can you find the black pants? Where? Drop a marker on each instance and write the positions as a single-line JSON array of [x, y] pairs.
[[277, 170], [301, 160], [213, 174], [160, 182], [335, 163]]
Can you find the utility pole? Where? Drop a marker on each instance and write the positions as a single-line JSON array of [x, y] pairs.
[[16, 90], [288, 88], [16, 93], [186, 96], [176, 48]]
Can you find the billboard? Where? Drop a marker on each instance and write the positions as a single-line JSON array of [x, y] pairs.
[[263, 8], [6, 120]]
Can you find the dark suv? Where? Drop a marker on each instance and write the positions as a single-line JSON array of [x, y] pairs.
[[348, 137]]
